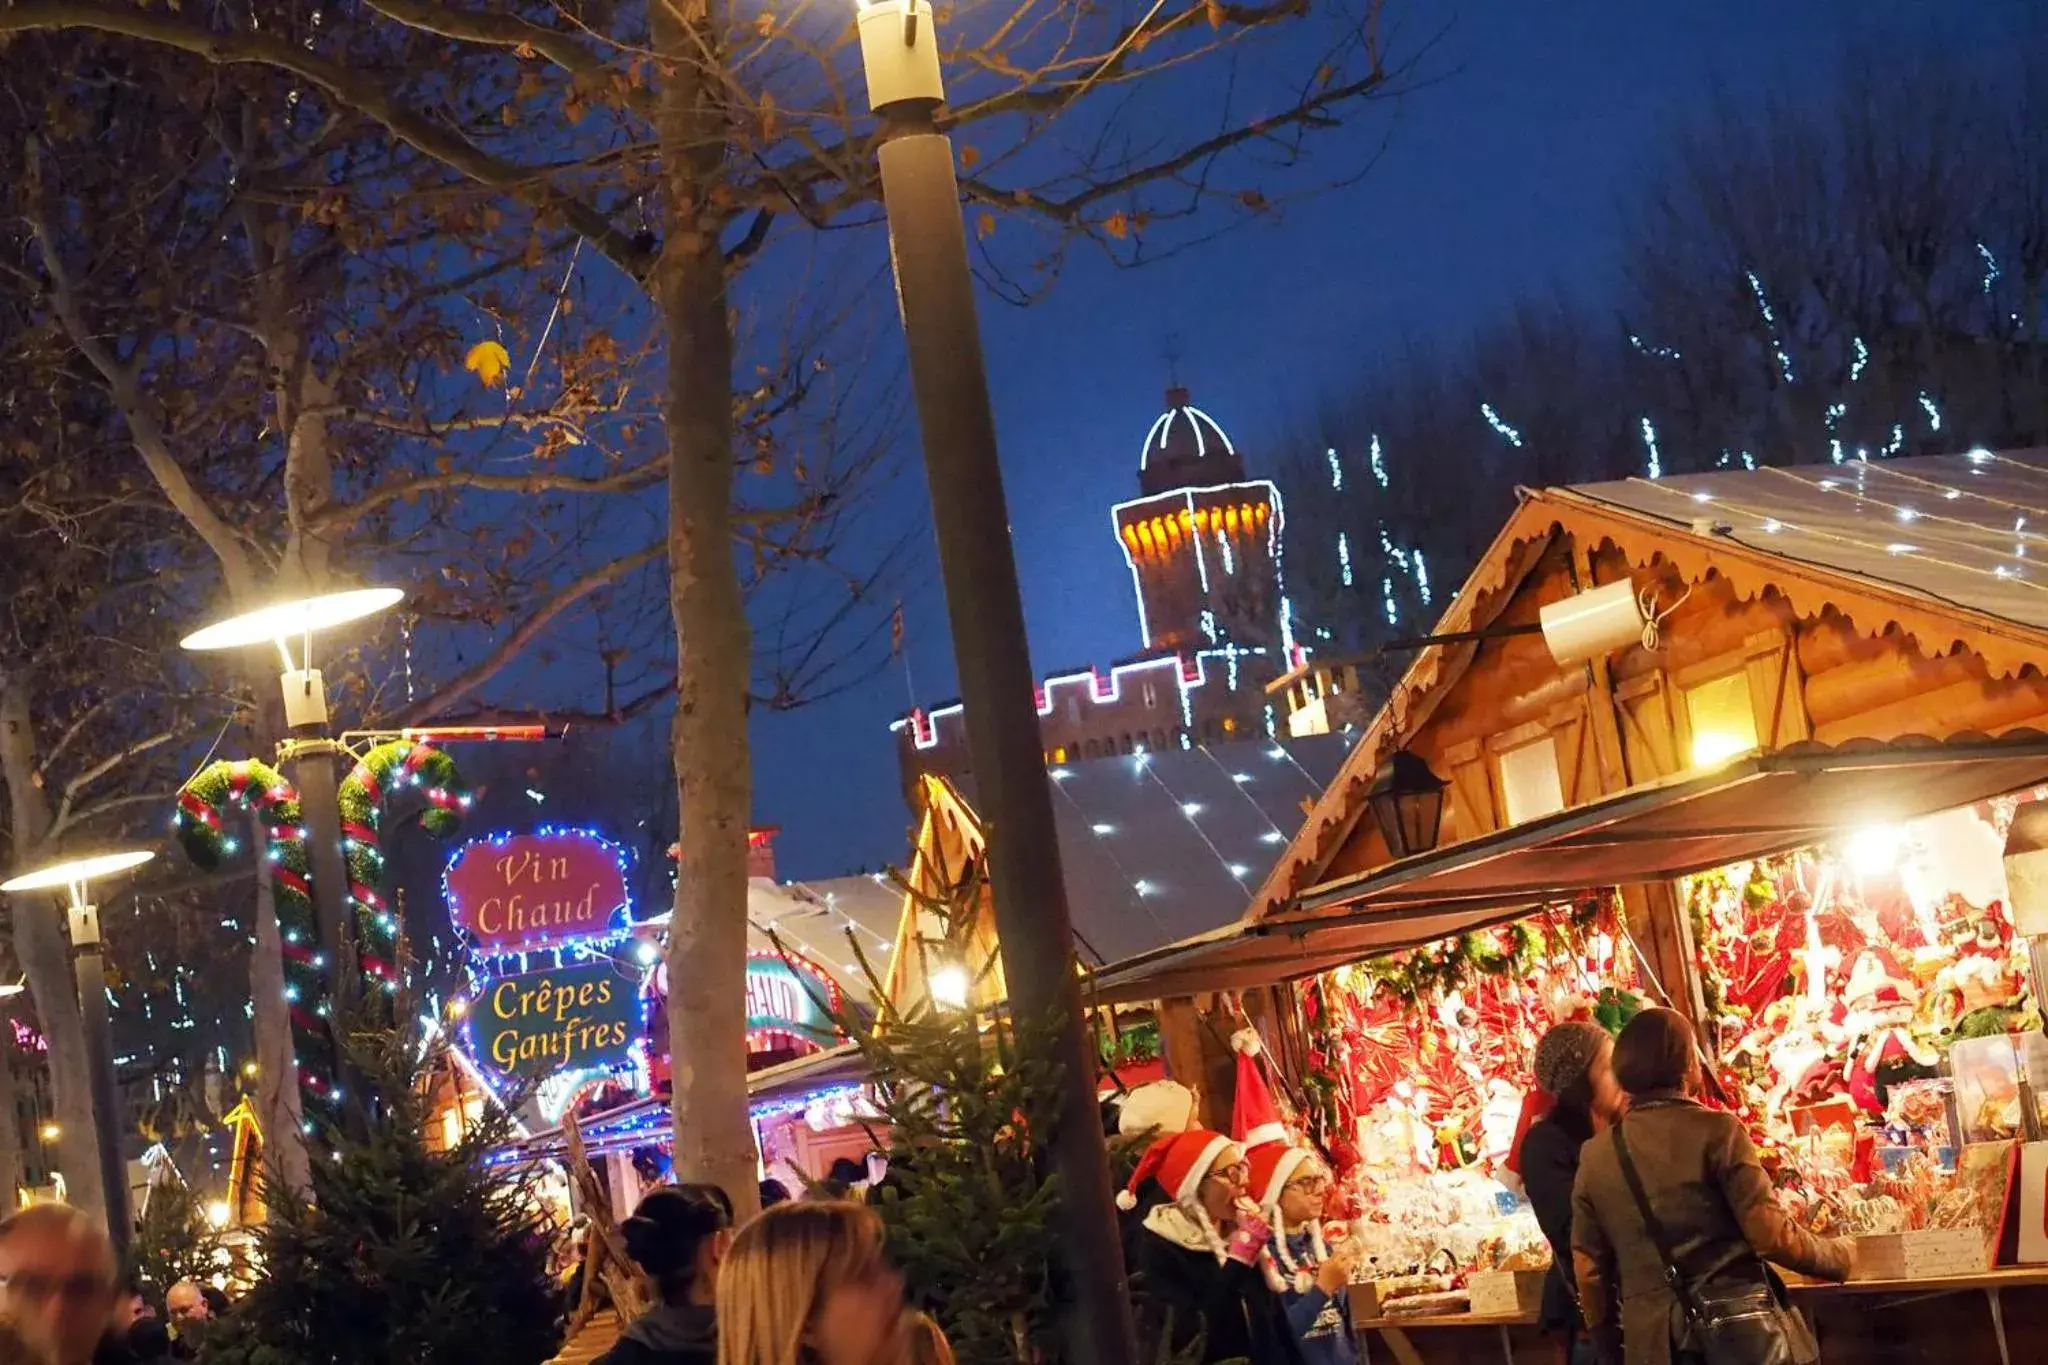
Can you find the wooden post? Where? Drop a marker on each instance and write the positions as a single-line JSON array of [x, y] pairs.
[[1198, 1059], [1655, 914]]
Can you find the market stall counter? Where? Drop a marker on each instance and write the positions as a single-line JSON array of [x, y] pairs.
[[1455, 1339], [1905, 1322]]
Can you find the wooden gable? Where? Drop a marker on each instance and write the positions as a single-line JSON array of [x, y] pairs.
[[1755, 651]]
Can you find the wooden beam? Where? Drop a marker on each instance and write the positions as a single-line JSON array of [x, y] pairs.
[[1655, 914]]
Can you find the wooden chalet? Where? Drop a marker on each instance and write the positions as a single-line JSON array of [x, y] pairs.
[[1834, 646]]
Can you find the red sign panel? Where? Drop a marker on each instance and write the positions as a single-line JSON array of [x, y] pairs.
[[519, 892]]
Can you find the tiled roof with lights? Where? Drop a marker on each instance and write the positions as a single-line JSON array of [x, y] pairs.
[[1155, 847], [1966, 530]]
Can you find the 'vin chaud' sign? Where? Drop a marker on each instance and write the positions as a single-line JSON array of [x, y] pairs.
[[565, 1019], [527, 891]]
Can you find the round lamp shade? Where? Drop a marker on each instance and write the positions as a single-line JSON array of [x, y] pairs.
[[299, 616], [77, 870]]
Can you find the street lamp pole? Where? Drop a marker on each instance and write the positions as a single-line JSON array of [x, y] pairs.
[[90, 967], [306, 757], [928, 242]]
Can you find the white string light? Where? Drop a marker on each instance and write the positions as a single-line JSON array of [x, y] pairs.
[[1493, 419], [1763, 307]]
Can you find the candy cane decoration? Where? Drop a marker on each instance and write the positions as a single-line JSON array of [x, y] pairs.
[[384, 773], [260, 789]]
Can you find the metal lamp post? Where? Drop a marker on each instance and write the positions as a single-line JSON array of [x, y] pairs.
[[928, 242], [306, 756], [75, 876]]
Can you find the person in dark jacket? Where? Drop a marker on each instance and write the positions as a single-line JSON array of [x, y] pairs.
[[1701, 1177], [679, 1235], [1575, 1068], [1200, 1259]]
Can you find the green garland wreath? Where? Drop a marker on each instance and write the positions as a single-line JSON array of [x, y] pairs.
[[1451, 964], [382, 774]]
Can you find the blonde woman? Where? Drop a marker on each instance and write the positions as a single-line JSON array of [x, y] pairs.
[[808, 1284], [928, 1344]]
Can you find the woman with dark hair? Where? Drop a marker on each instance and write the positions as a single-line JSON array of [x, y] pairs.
[[1698, 1176], [679, 1235], [1574, 1067]]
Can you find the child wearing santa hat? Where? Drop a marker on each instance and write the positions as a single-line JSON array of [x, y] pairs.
[[1200, 1260], [1289, 1184]]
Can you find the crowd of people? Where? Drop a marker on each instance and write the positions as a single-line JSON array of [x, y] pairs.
[[65, 1301], [1654, 1204], [1664, 1225], [803, 1282]]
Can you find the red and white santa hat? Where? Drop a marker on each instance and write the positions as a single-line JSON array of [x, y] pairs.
[[1178, 1163], [1255, 1118], [1273, 1164]]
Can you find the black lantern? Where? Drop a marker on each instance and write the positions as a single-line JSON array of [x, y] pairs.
[[1407, 800]]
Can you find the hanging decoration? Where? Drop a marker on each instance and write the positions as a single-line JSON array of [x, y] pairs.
[[365, 796], [383, 773], [1454, 963], [252, 785]]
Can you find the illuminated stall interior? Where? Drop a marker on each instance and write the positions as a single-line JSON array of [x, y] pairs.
[[1788, 777]]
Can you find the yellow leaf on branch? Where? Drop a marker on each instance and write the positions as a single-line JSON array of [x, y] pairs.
[[1117, 225], [488, 361]]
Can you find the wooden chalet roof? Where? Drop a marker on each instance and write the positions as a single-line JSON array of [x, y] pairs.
[[1945, 550], [1930, 557]]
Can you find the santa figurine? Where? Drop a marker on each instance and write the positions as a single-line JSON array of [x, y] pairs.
[[1878, 1003]]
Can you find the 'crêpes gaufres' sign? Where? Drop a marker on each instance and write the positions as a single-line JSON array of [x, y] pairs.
[[571, 1018], [529, 891]]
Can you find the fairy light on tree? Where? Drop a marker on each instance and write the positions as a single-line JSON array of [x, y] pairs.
[[1655, 352], [1493, 419], [1927, 405], [1655, 460], [1992, 273], [1770, 317]]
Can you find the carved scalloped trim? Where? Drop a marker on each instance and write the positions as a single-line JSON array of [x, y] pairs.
[[2008, 648], [1485, 591]]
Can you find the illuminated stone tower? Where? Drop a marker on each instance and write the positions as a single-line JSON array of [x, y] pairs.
[[1203, 542]]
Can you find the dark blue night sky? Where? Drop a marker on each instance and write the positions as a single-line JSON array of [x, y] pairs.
[[1504, 179]]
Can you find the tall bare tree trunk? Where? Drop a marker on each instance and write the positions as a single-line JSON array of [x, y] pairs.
[[707, 952], [43, 946], [10, 1118]]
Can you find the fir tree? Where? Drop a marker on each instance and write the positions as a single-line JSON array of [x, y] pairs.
[[969, 1101], [405, 1254], [173, 1239]]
